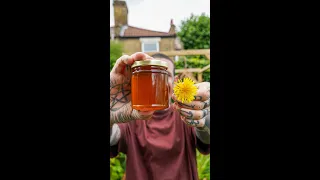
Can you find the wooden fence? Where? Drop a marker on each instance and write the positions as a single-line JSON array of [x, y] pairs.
[[188, 72]]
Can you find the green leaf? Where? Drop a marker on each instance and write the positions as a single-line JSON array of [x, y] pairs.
[[116, 49], [195, 32]]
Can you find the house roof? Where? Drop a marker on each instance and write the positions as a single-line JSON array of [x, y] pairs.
[[131, 31]]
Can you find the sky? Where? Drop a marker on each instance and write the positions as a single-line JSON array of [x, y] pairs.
[[156, 14]]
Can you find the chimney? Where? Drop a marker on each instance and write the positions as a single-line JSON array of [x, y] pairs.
[[120, 13], [172, 28]]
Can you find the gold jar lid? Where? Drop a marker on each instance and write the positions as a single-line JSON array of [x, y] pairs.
[[150, 63]]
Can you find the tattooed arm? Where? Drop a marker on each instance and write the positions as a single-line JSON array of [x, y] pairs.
[[120, 109], [120, 104], [197, 113], [120, 95], [203, 133], [202, 125]]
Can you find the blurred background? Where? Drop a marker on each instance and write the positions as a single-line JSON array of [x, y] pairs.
[[179, 29]]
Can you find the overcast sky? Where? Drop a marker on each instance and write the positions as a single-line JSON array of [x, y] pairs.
[[156, 14]]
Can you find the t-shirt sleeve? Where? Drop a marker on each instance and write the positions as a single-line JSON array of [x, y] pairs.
[[202, 147], [121, 146]]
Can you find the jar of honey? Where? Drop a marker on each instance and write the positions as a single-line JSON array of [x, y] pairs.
[[149, 85]]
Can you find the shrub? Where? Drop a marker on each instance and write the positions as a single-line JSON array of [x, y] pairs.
[[203, 166], [195, 32], [195, 62], [117, 167], [116, 49]]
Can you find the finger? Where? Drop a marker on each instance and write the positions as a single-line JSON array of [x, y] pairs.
[[121, 63], [140, 56], [142, 115], [126, 60], [194, 105], [194, 123], [203, 92], [192, 114]]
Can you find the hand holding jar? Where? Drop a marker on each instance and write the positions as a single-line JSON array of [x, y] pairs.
[[138, 87], [120, 90]]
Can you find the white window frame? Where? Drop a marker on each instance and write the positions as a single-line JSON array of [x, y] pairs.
[[150, 41]]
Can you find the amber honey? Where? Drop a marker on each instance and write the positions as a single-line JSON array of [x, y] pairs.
[[149, 85]]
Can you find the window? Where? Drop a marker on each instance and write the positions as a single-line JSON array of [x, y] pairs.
[[150, 44], [150, 47]]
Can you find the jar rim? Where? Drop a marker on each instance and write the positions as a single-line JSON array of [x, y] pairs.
[[153, 62]]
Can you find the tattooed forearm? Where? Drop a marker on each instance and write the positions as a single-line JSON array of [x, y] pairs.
[[123, 116], [203, 133], [119, 96], [120, 102]]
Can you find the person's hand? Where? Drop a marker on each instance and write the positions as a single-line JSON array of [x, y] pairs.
[[195, 112], [120, 90]]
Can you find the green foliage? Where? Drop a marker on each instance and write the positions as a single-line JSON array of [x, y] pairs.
[[195, 32], [116, 49], [195, 62], [117, 167], [203, 166]]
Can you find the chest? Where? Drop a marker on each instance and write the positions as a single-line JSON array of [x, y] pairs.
[[161, 139]]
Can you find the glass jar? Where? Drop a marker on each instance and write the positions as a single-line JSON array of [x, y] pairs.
[[149, 85]]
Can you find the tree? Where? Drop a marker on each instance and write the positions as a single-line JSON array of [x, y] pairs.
[[115, 52], [195, 32]]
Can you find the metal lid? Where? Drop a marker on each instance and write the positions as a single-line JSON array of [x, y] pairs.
[[150, 63]]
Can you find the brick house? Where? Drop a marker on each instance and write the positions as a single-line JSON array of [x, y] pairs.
[[136, 39]]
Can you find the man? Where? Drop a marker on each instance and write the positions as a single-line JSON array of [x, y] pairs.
[[160, 145]]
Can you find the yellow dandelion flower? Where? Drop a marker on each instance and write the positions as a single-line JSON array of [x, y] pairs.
[[185, 90]]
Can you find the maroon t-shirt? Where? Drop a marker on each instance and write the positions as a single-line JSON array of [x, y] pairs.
[[163, 148]]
